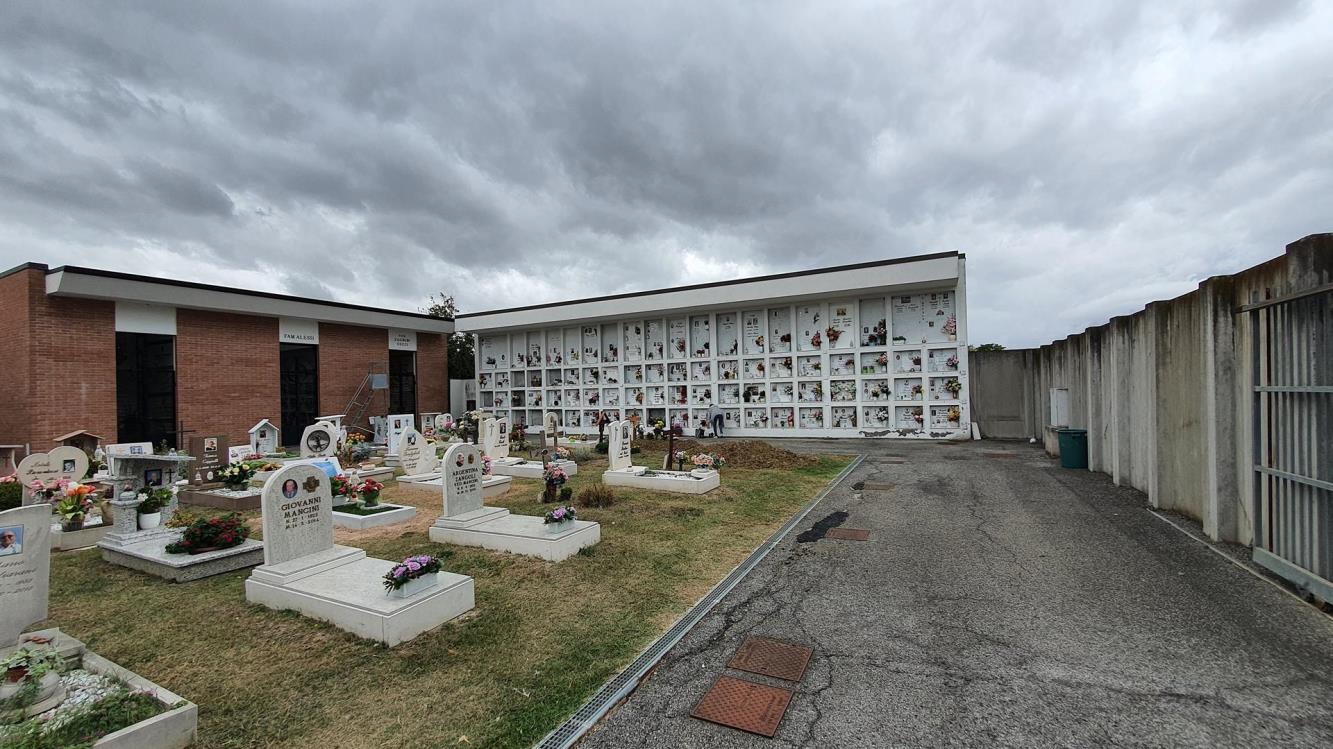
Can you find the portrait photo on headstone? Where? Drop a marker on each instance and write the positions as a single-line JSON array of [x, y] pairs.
[[11, 540]]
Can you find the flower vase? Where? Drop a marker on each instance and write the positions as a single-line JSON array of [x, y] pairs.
[[70, 525], [370, 499], [149, 520], [701, 472], [558, 526], [415, 586]]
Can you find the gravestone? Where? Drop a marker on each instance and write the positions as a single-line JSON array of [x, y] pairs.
[[415, 453], [379, 426], [263, 438], [551, 428], [25, 569], [64, 462], [444, 422], [462, 479], [209, 456], [238, 453], [398, 423], [319, 440], [501, 439], [619, 452], [489, 431], [298, 513]]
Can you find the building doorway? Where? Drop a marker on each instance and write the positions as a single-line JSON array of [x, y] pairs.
[[299, 388], [146, 388], [402, 382]]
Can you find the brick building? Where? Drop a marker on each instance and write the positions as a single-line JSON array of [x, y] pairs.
[[135, 358]]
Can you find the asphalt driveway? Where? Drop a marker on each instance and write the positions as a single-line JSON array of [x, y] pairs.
[[1001, 601]]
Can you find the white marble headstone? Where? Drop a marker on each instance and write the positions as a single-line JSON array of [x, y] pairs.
[[398, 423], [619, 452], [462, 479], [237, 453], [501, 439], [444, 421], [25, 569], [319, 440], [415, 453], [64, 462], [298, 513], [551, 423], [379, 425], [489, 436]]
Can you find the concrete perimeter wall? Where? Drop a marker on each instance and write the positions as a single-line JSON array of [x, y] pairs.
[[1164, 393]]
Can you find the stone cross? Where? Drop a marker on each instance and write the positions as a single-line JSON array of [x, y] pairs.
[[298, 513], [25, 569], [462, 479]]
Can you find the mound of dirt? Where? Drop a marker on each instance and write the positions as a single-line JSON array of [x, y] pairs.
[[750, 454]]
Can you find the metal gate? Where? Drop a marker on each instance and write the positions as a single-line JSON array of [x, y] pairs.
[[1292, 364]]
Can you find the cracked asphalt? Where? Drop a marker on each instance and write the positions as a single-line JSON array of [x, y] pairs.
[[1001, 601]]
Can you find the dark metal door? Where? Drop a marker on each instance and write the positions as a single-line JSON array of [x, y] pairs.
[[299, 377], [402, 382], [146, 388]]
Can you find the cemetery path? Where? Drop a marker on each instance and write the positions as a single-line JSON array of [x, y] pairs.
[[1001, 601]]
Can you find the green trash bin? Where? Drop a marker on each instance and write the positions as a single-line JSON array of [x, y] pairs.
[[1073, 448]]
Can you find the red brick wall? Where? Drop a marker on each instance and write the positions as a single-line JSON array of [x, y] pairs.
[[14, 379], [432, 372], [227, 373], [73, 367], [345, 354]]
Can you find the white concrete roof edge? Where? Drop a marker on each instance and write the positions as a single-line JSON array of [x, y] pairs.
[[897, 277]]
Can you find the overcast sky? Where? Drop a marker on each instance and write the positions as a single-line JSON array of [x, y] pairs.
[[1087, 157]]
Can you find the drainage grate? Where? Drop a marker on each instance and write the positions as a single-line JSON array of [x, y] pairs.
[[781, 660], [848, 534], [623, 683], [744, 705]]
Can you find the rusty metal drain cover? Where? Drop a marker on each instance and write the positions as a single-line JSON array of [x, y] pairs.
[[848, 534], [781, 660], [744, 705]]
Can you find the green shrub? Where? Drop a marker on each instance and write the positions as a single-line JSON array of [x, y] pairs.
[[602, 447], [597, 495], [11, 495], [565, 493]]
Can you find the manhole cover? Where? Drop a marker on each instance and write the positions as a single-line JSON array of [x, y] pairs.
[[877, 487], [781, 660], [744, 705], [848, 534]]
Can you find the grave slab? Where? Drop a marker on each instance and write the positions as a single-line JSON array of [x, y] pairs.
[[89, 535], [530, 469], [152, 558], [521, 534], [304, 571], [395, 514], [679, 482], [222, 499]]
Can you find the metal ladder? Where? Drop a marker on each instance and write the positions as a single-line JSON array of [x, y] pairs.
[[365, 395]]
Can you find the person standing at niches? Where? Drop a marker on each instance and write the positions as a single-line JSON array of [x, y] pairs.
[[715, 418]]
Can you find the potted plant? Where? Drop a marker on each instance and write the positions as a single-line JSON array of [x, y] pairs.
[[555, 477], [369, 492], [211, 534], [412, 575], [150, 509], [559, 515], [73, 507], [31, 675], [236, 476]]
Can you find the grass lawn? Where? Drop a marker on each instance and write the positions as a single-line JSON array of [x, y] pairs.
[[542, 638]]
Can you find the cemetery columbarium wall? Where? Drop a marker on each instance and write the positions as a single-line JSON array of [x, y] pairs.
[[868, 350]]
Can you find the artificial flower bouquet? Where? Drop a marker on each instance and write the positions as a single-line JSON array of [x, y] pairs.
[[212, 534], [410, 569], [236, 476], [560, 514]]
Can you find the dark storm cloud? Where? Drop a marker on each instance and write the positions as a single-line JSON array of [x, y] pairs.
[[1087, 158]]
